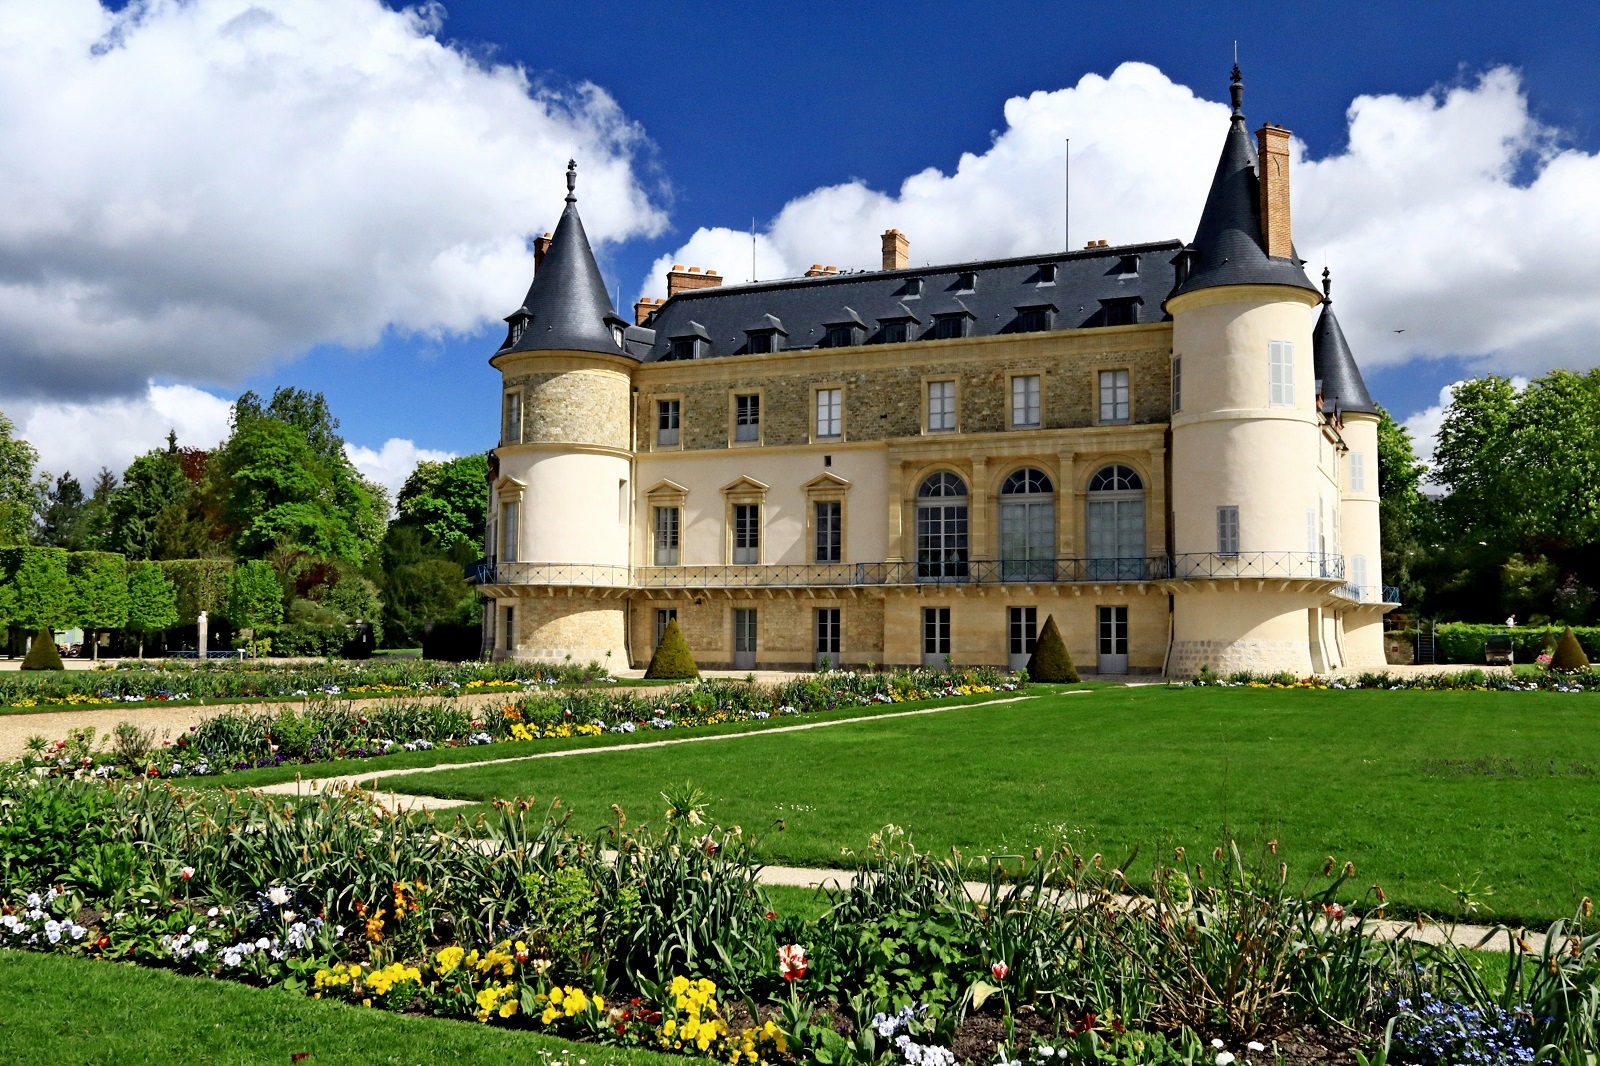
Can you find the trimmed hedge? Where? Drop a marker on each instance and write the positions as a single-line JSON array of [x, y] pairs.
[[1050, 661], [1462, 642], [42, 653], [1568, 654], [672, 660]]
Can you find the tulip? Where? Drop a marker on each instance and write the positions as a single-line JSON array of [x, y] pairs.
[[999, 970]]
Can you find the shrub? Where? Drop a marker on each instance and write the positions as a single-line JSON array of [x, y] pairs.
[[1568, 654], [672, 659], [1050, 662], [42, 655], [1462, 642]]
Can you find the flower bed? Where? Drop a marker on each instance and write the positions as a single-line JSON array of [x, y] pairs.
[[663, 939], [328, 730], [166, 681], [1542, 680]]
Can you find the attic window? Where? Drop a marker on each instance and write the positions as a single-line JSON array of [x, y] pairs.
[[1033, 319], [1129, 266], [914, 289], [682, 348], [967, 281], [894, 332], [616, 335], [946, 327], [1047, 274], [518, 325], [841, 336], [1121, 312], [759, 342]]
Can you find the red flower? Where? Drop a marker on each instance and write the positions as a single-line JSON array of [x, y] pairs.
[[792, 962], [999, 970], [772, 914], [1333, 910]]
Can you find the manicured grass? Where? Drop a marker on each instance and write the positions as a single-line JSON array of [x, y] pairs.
[[73, 1010], [1421, 790], [512, 749]]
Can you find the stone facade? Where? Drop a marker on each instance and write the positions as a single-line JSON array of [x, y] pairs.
[[1231, 656], [573, 406]]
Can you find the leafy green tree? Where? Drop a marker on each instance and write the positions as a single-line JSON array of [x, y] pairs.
[[153, 491], [447, 500], [201, 584], [99, 593], [282, 483], [1403, 511], [255, 599], [18, 491], [97, 510], [421, 584], [41, 593], [62, 520], [152, 601]]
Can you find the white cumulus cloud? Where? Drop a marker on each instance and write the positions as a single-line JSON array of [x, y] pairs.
[[391, 464], [1455, 216], [82, 436], [198, 188]]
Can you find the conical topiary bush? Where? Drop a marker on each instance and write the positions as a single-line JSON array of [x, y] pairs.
[[1050, 661], [42, 654], [672, 660], [1569, 653]]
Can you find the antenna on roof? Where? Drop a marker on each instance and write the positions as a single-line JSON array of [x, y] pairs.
[[752, 249], [1066, 200]]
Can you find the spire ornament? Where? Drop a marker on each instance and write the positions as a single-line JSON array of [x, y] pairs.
[[1327, 286], [1236, 90], [572, 181]]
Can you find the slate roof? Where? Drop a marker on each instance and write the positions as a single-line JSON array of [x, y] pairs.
[[1342, 387], [567, 307], [800, 310], [1227, 247]]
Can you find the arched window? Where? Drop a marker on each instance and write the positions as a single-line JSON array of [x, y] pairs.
[[942, 528], [1027, 527], [1115, 519]]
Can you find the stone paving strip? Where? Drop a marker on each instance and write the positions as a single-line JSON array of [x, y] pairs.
[[399, 801]]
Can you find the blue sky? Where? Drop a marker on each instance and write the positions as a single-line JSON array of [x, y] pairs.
[[735, 110]]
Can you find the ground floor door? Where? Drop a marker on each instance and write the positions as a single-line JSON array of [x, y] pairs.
[[1113, 640], [744, 638], [1022, 624], [935, 636]]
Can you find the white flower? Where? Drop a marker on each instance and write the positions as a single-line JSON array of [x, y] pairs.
[[278, 895], [1218, 1044], [1255, 1045], [1224, 1058]]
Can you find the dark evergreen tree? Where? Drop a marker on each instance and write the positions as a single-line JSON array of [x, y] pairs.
[[672, 660], [62, 521], [1050, 662]]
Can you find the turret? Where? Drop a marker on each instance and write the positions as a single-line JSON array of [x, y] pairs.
[[1254, 509], [561, 503], [1346, 400]]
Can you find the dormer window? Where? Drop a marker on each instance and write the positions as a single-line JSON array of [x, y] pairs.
[[519, 323], [967, 281], [1129, 266], [914, 289], [841, 336], [894, 332], [682, 348], [617, 335], [1123, 311], [1047, 274], [758, 342], [948, 327], [1033, 319]]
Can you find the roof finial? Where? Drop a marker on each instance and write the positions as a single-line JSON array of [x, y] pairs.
[[572, 181], [1327, 286], [1236, 85]]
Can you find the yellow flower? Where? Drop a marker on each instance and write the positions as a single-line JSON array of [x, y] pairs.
[[448, 959]]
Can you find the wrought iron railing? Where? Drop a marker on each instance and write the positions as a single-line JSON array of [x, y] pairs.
[[1370, 593], [1286, 565], [604, 575]]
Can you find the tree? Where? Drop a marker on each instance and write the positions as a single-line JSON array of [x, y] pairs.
[[421, 584], [41, 594], [97, 510], [447, 500], [42, 653], [152, 601], [255, 599], [1050, 662], [1569, 653], [1402, 508], [18, 491], [153, 486], [281, 482], [672, 659], [62, 519], [99, 593]]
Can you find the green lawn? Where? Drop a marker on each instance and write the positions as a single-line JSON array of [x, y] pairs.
[[72, 1010], [1422, 790]]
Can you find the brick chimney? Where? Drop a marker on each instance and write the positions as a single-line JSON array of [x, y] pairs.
[[1272, 149], [896, 250], [819, 271], [644, 309], [681, 280], [541, 248]]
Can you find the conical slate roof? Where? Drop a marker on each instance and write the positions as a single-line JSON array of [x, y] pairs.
[[567, 307], [1335, 363], [1227, 248]]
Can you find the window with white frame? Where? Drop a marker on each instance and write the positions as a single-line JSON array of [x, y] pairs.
[[666, 538], [1358, 472], [941, 407], [668, 414], [1358, 574], [1115, 405], [1025, 401], [830, 412], [508, 531], [1177, 383], [829, 531], [747, 417], [747, 533], [1280, 373], [1228, 530], [513, 417], [828, 631], [1311, 530]]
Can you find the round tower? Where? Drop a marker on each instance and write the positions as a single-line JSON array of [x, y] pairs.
[[1255, 506], [1345, 398], [559, 507]]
